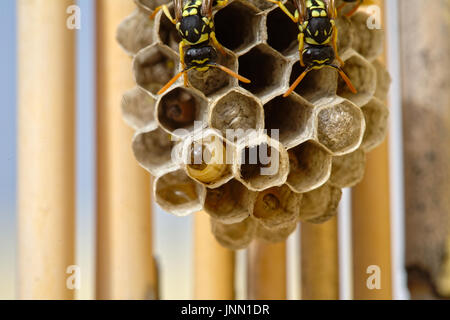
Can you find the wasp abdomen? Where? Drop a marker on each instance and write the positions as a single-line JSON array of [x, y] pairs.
[[199, 56]]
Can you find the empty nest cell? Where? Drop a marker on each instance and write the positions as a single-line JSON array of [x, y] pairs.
[[291, 117], [167, 32], [237, 25], [340, 126], [310, 167], [176, 193], [179, 109], [282, 33], [230, 203], [138, 110]]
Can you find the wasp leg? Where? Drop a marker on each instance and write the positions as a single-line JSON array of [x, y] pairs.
[[285, 10], [183, 65], [355, 8], [166, 12], [301, 46], [334, 43], [216, 43]]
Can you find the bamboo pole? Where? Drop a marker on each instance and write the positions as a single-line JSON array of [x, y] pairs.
[[46, 188], [213, 264], [320, 261], [426, 118], [267, 271], [125, 267], [371, 224]]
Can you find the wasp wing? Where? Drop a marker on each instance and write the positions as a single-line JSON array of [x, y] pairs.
[[301, 8], [331, 8], [178, 8], [207, 6]]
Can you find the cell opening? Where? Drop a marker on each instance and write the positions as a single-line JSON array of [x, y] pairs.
[[236, 26], [282, 32], [168, 33]]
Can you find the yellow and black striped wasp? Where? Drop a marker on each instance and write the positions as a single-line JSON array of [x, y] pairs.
[[317, 37], [354, 9], [194, 23]]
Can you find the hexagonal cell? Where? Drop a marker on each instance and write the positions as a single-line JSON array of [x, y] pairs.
[[230, 203], [236, 111], [214, 79], [316, 84], [340, 126], [368, 42], [277, 207], [154, 66], [265, 67], [261, 4], [167, 32], [261, 162], [310, 167], [148, 6], [234, 236], [153, 151], [364, 78], [292, 117], [376, 115], [176, 193], [277, 234], [181, 110], [348, 170], [383, 80], [320, 204], [138, 110], [282, 33], [346, 34], [237, 25], [208, 158], [135, 32]]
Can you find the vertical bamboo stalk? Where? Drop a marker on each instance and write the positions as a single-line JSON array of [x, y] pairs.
[[371, 226], [267, 271], [320, 261], [125, 267], [426, 117], [46, 188], [213, 264]]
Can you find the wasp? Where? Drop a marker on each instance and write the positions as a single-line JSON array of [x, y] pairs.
[[355, 8], [317, 29], [194, 23]]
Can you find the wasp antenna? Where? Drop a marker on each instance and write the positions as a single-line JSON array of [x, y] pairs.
[[295, 84], [231, 73], [346, 79], [171, 82]]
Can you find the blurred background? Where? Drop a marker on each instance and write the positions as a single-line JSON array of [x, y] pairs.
[[418, 166]]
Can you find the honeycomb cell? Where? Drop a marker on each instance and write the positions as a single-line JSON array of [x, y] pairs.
[[282, 33], [154, 66], [176, 193], [212, 81], [376, 115], [348, 170], [383, 81], [237, 25], [346, 34], [368, 41], [291, 116], [364, 78], [265, 67], [261, 4], [138, 110], [316, 84], [230, 203], [261, 162], [310, 167], [276, 207], [340, 126], [208, 158], [236, 112], [320, 204], [167, 32], [277, 234], [135, 33], [148, 6], [153, 151], [234, 236], [181, 110]]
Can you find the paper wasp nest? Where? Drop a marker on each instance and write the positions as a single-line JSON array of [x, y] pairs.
[[324, 129]]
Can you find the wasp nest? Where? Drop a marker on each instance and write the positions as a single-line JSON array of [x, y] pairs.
[[205, 144]]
